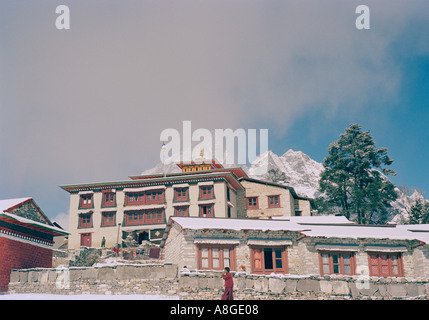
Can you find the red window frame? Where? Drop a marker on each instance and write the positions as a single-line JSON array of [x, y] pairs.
[[181, 194], [135, 198], [206, 192], [206, 210], [155, 197], [274, 201], [108, 219], [109, 199], [252, 203], [152, 216], [383, 264], [85, 220], [86, 201], [182, 211], [216, 257], [333, 262], [134, 218], [144, 197], [266, 260]]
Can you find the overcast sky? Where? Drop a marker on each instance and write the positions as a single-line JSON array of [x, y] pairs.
[[89, 104]]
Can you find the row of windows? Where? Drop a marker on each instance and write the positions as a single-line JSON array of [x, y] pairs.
[[87, 200], [265, 260], [144, 216], [108, 219], [146, 197], [253, 202]]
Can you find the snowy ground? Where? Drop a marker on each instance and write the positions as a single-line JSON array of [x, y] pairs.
[[41, 296]]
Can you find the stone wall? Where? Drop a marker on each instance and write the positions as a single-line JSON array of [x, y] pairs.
[[209, 285], [118, 279], [164, 278]]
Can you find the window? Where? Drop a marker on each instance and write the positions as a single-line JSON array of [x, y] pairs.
[[181, 194], [386, 265], [216, 257], [135, 198], [86, 201], [337, 263], [206, 211], [108, 219], [273, 201], [268, 260], [134, 218], [153, 216], [109, 199], [154, 197], [85, 220], [206, 192], [142, 198], [181, 211], [252, 203]]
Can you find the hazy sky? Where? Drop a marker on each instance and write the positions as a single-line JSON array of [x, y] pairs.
[[88, 104]]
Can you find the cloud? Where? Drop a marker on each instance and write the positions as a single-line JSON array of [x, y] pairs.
[[89, 103]]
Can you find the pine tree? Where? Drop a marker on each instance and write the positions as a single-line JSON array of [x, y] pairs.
[[354, 181], [276, 175], [419, 212]]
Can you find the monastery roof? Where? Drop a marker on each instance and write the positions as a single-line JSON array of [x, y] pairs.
[[236, 224], [9, 204], [158, 180], [325, 227], [238, 172], [316, 219], [9, 217], [360, 232]]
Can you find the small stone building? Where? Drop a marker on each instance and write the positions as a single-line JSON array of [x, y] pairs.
[[300, 247], [266, 199], [26, 237]]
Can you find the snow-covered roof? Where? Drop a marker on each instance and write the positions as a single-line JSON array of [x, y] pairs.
[[236, 224], [6, 204], [9, 203], [420, 231], [308, 226], [316, 219], [359, 231], [32, 222], [414, 227]]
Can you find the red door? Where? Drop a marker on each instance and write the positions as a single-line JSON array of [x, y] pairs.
[[85, 240]]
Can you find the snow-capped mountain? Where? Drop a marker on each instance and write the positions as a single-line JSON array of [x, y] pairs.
[[303, 173]]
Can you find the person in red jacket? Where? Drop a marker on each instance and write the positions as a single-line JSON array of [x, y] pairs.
[[229, 284]]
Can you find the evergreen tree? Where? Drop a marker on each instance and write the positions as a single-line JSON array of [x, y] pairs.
[[354, 181], [276, 176], [419, 212]]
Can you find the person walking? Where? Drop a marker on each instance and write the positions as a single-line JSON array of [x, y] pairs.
[[229, 284]]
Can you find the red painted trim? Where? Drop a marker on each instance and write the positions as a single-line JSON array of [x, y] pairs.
[[252, 207], [221, 247]]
